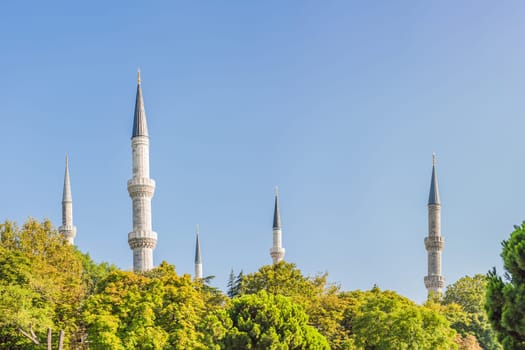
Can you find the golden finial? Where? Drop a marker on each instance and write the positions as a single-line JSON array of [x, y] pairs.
[[138, 76], [433, 158]]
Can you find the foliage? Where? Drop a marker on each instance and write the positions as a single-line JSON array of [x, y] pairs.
[[155, 310], [464, 307], [505, 302], [266, 321], [468, 342], [42, 275], [45, 282], [320, 300], [385, 320], [234, 284]]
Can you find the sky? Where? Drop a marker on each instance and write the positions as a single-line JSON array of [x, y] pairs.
[[339, 103]]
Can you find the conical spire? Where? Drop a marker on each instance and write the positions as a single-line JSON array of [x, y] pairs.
[[66, 195], [198, 259], [140, 127], [276, 213], [67, 229], [433, 197]]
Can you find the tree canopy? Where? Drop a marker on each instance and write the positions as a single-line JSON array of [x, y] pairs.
[[47, 284], [505, 303], [464, 302], [270, 322]]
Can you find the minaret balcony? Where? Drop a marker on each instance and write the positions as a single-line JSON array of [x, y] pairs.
[[434, 282], [141, 187], [142, 239], [434, 243]]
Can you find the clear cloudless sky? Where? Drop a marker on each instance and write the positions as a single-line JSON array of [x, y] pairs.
[[339, 103]]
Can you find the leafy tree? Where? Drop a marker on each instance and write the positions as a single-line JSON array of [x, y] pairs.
[[385, 320], [44, 273], [469, 293], [505, 303], [154, 310], [320, 300], [266, 321]]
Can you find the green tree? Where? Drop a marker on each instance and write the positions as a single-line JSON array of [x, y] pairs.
[[155, 310], [505, 302], [45, 273], [270, 322], [320, 300], [384, 320], [469, 293]]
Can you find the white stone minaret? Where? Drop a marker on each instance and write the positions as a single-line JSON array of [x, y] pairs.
[[277, 251], [434, 243], [142, 240], [67, 229], [198, 258]]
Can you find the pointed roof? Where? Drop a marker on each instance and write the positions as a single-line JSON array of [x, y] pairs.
[[140, 127], [198, 259], [433, 197], [276, 212], [66, 195]]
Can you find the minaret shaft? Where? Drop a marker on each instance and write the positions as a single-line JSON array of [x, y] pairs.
[[198, 258], [142, 240], [434, 243], [277, 251], [67, 229]]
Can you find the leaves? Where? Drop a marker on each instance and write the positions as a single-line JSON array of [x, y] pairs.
[[505, 300], [266, 321]]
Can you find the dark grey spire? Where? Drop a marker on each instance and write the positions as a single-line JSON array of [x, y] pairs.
[[276, 213], [66, 195], [198, 259], [140, 127], [433, 197]]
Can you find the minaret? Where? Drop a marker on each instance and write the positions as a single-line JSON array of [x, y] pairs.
[[142, 240], [277, 251], [198, 259], [67, 229], [434, 243]]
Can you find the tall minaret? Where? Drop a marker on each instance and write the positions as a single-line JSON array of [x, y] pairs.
[[198, 259], [67, 229], [142, 240], [277, 251], [434, 243]]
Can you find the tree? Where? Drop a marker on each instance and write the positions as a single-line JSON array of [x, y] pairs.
[[270, 322], [154, 310], [42, 274], [505, 302], [320, 300], [469, 293], [385, 320]]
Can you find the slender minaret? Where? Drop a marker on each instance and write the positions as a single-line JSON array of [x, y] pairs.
[[434, 243], [142, 240], [67, 229], [277, 251], [198, 259]]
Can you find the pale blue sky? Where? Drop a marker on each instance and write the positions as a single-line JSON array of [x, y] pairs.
[[339, 103]]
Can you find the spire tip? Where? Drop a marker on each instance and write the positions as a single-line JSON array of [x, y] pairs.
[[433, 158], [276, 191], [138, 76]]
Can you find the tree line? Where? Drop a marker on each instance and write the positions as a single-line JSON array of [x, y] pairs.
[[54, 296]]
